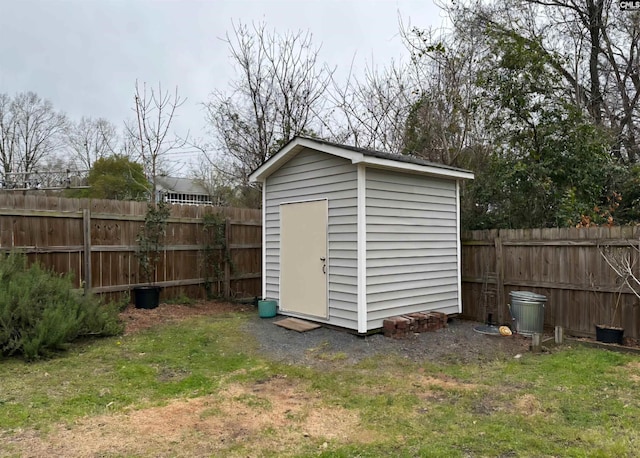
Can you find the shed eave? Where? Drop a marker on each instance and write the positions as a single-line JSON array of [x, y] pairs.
[[297, 144], [294, 147], [417, 168]]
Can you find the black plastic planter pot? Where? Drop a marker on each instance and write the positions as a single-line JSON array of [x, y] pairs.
[[146, 297], [607, 334]]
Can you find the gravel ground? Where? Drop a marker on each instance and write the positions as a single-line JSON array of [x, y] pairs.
[[458, 342], [330, 346]]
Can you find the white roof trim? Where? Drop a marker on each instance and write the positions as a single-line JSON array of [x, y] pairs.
[[293, 147], [416, 168]]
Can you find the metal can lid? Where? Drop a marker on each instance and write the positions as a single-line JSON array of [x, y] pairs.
[[527, 296]]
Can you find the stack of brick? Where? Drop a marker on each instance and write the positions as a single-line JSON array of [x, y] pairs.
[[403, 326]]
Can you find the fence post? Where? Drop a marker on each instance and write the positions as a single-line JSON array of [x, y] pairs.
[[86, 234], [227, 258], [499, 278]]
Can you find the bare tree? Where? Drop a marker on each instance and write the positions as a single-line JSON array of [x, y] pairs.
[[443, 123], [92, 139], [277, 94], [219, 185], [30, 129], [150, 135], [371, 112], [424, 107], [39, 129], [8, 136], [623, 260]]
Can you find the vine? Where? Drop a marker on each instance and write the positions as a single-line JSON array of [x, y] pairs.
[[216, 252], [150, 239]]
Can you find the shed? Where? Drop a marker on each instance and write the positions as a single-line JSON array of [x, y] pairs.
[[353, 236]]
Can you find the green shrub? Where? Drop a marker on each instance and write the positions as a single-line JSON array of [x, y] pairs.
[[40, 312]]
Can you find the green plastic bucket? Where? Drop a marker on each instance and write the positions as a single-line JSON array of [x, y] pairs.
[[267, 309]]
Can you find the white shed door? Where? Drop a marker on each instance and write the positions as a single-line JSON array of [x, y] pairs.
[[303, 255]]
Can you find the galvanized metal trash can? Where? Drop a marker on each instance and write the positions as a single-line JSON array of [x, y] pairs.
[[527, 310]]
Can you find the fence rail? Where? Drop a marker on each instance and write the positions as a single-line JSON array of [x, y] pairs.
[[95, 241], [565, 264]]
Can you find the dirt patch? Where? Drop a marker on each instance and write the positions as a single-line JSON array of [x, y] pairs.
[[139, 319], [239, 421], [528, 405], [631, 369], [278, 415], [445, 383]]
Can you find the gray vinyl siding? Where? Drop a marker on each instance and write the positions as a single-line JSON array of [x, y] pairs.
[[411, 245], [313, 175]]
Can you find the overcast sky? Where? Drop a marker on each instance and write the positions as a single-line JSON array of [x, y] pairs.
[[85, 55]]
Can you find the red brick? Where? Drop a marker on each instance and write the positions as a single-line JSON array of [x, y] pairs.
[[402, 323], [389, 324], [421, 321], [413, 323]]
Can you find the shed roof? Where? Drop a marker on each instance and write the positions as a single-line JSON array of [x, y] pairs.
[[357, 155]]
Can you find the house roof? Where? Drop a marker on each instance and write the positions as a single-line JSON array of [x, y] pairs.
[[180, 185], [357, 155]]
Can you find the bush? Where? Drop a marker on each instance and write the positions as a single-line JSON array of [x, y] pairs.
[[40, 312]]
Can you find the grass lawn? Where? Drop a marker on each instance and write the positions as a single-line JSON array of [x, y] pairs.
[[200, 388]]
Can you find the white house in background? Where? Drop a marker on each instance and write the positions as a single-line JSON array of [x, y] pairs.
[[181, 191], [351, 236]]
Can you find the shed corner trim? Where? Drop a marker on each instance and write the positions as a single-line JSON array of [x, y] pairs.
[[361, 209]]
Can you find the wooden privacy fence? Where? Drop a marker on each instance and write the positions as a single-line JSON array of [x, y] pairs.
[[95, 240], [564, 264]]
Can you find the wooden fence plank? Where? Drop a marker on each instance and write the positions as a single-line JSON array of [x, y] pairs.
[[86, 235], [95, 240], [563, 264], [227, 265], [499, 271]]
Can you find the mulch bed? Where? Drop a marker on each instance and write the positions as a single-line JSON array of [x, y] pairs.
[[139, 319]]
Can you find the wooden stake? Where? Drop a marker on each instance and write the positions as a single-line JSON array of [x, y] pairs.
[[559, 334], [536, 341]]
